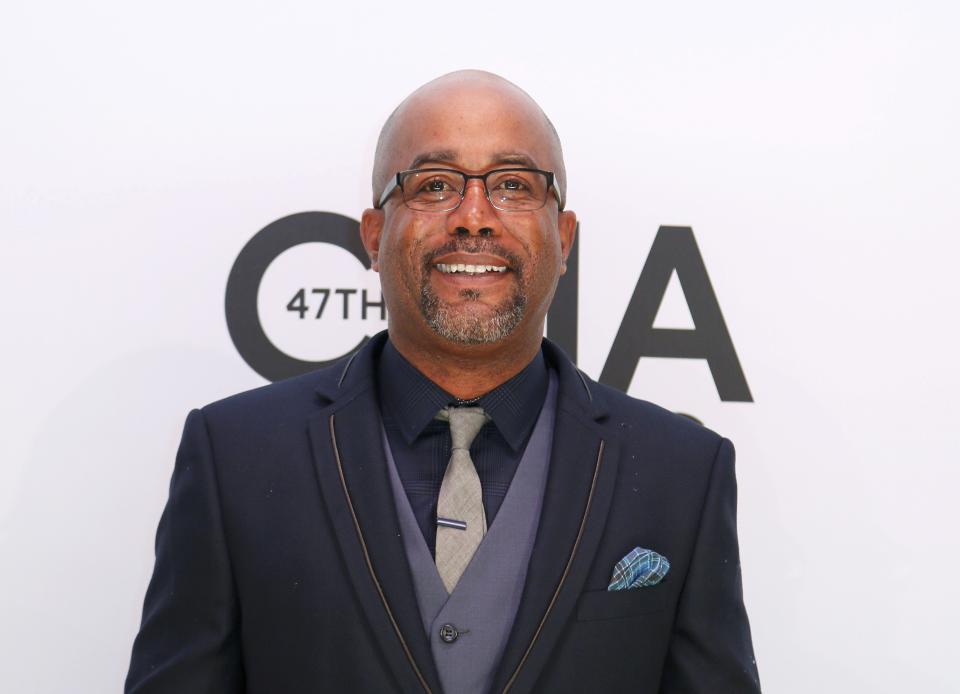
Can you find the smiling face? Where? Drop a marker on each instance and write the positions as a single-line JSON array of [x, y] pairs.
[[475, 275]]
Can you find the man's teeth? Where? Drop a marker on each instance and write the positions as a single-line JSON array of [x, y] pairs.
[[470, 269]]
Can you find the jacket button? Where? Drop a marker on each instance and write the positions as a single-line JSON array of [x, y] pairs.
[[449, 633]]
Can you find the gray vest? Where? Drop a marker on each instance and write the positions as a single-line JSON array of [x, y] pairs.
[[477, 617]]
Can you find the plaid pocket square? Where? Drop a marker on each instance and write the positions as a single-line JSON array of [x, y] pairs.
[[640, 567]]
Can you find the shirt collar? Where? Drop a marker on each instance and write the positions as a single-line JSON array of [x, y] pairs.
[[413, 400]]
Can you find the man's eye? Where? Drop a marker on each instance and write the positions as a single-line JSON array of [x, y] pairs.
[[512, 185], [435, 186]]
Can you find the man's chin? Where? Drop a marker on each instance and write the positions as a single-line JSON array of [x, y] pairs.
[[469, 326]]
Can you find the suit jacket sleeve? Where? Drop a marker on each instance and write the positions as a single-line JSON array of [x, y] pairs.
[[189, 636], [711, 651]]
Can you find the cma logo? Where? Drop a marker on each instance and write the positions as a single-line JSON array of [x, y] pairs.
[[268, 293]]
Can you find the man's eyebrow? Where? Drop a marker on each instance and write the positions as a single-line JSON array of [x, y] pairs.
[[451, 157], [445, 156], [514, 159]]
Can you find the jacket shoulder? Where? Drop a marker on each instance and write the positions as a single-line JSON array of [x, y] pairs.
[[644, 421], [289, 398]]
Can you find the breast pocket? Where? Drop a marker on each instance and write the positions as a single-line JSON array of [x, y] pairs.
[[621, 604]]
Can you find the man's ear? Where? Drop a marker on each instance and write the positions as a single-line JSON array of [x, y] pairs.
[[371, 226], [567, 225]]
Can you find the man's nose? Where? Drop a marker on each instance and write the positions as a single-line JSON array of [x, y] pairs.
[[475, 216]]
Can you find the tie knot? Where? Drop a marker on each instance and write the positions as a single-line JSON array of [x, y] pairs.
[[465, 424]]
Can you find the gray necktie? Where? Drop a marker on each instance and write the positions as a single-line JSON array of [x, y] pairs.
[[461, 521]]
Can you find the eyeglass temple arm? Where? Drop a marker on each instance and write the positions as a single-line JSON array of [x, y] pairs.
[[388, 191], [556, 191]]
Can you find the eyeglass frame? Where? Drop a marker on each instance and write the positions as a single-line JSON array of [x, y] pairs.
[[396, 183]]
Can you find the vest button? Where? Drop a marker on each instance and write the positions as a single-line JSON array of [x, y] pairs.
[[449, 633]]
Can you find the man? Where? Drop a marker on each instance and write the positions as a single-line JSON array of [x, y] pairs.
[[444, 511]]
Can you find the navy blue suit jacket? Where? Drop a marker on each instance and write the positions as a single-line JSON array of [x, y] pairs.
[[280, 568]]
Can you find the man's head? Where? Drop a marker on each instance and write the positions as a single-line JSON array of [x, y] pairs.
[[485, 272]]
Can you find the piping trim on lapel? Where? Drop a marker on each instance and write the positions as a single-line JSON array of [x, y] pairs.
[[366, 554], [583, 380], [566, 569], [347, 368]]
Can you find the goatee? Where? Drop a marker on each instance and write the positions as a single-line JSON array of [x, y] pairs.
[[470, 322]]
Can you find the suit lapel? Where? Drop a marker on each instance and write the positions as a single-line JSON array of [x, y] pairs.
[[577, 497], [354, 482]]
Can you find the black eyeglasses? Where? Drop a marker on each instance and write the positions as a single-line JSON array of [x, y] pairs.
[[442, 190]]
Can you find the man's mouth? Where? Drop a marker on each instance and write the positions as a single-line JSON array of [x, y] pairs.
[[452, 268], [475, 264]]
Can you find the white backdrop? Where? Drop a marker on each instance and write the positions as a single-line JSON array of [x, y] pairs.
[[812, 147]]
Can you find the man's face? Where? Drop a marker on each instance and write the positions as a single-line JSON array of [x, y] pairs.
[[516, 256]]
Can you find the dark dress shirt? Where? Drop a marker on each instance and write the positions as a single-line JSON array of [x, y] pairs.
[[409, 401]]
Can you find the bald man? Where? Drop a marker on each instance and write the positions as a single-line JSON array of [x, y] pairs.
[[455, 508]]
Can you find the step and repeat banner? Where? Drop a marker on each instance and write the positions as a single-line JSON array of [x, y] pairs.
[[769, 236]]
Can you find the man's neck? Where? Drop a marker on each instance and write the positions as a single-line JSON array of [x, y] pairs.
[[468, 371]]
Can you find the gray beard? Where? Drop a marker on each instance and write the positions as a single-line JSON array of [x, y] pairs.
[[465, 328], [461, 325]]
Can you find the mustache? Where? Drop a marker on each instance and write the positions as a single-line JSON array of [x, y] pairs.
[[474, 245]]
